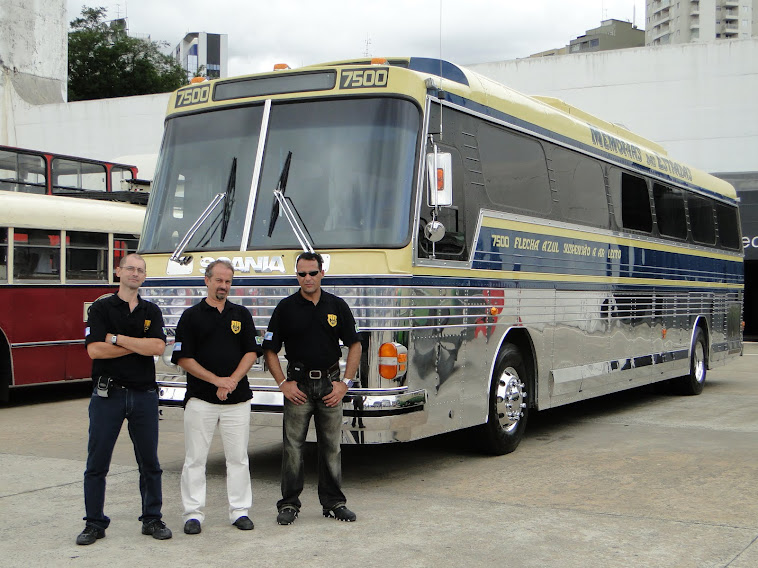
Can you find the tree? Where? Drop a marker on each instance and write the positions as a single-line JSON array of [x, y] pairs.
[[104, 62]]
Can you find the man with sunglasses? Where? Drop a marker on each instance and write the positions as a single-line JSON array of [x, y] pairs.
[[124, 333], [310, 324]]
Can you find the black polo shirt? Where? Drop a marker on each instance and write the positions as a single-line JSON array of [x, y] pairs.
[[218, 341], [311, 333], [112, 315]]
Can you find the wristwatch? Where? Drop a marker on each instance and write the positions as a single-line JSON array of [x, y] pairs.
[[114, 339], [348, 382]]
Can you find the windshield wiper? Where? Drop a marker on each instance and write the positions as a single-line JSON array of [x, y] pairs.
[[290, 211], [176, 256]]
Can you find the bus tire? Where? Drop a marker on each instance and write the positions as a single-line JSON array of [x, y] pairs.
[[508, 407], [693, 383]]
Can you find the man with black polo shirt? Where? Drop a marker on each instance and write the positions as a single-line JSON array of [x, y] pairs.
[[216, 345], [310, 324], [123, 334]]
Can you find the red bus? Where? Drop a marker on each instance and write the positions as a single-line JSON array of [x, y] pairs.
[[57, 256]]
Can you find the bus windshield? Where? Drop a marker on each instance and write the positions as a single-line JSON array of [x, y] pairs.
[[350, 180]]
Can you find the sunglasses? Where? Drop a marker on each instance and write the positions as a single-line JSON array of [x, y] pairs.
[[311, 273]]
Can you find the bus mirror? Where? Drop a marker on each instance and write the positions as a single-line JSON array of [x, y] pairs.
[[434, 231], [440, 170]]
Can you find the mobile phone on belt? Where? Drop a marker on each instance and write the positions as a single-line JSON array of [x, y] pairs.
[[103, 385]]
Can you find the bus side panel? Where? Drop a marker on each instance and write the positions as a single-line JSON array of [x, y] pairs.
[[47, 314]]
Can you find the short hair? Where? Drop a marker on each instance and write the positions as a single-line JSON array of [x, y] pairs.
[[308, 255], [215, 263], [122, 262]]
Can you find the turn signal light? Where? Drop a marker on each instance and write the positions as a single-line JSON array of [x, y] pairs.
[[197, 80], [393, 360], [280, 66], [378, 61]]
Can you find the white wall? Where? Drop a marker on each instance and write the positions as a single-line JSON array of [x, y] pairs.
[[698, 100]]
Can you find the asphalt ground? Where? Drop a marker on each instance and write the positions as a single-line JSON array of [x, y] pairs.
[[635, 479]]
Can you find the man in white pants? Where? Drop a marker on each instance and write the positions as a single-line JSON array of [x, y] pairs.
[[216, 345]]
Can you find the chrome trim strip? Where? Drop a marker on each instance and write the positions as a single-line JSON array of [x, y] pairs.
[[48, 343]]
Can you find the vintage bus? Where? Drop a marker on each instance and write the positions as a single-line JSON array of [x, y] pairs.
[[46, 173], [57, 256], [502, 253]]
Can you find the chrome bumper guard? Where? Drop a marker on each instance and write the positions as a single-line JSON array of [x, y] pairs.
[[363, 409]]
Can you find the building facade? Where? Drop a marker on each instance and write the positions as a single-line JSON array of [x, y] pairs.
[[682, 21], [203, 53], [611, 34]]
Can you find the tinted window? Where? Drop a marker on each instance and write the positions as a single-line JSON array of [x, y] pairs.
[[86, 256], [36, 254], [701, 220], [514, 169], [729, 226], [669, 211], [581, 188], [635, 204]]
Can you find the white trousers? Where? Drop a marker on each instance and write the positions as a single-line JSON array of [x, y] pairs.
[[200, 420]]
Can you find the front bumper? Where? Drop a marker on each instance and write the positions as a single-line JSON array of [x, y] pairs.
[[391, 413]]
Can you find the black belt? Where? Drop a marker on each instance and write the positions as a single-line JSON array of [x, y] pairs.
[[314, 374]]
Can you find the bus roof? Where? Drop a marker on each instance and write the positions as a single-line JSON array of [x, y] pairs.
[[31, 211], [547, 117]]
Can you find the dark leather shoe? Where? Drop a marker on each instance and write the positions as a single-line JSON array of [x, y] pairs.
[[90, 534], [287, 516], [157, 528], [341, 513], [244, 524], [192, 527]]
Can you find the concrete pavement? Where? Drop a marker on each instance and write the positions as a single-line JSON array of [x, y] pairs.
[[634, 479]]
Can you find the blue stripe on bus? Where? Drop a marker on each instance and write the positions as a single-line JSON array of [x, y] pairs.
[[551, 254]]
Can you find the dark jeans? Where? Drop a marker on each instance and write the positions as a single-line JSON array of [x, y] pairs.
[[106, 415], [328, 423]]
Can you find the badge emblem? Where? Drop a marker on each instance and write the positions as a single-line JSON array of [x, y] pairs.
[[332, 319], [147, 325], [236, 326]]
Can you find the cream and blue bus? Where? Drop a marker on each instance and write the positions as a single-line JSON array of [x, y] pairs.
[[502, 253]]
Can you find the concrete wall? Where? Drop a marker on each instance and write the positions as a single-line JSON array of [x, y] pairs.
[[697, 100]]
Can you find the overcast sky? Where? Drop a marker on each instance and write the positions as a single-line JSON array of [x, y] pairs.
[[301, 32]]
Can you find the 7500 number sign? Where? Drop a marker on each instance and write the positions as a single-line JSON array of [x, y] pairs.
[[363, 78]]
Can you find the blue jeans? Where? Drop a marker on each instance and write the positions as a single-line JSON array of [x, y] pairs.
[[328, 423], [106, 415]]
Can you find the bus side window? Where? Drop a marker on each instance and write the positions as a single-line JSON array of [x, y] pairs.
[[514, 169], [631, 201], [36, 254], [581, 187], [728, 221], [701, 220], [669, 211], [86, 256]]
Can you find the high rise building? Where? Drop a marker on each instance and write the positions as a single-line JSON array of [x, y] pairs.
[[683, 21], [203, 53]]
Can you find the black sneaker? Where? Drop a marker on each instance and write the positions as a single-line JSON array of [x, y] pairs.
[[244, 524], [287, 516], [341, 513], [90, 534], [192, 526], [157, 528]]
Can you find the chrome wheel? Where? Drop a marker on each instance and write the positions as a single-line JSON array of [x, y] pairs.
[[698, 362], [510, 399]]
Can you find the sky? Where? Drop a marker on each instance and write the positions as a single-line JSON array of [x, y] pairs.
[[302, 32]]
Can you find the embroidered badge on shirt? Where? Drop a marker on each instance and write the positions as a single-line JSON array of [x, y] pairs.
[[332, 319], [236, 326], [147, 325]]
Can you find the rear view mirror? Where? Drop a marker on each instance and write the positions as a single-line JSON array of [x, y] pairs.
[[439, 167]]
